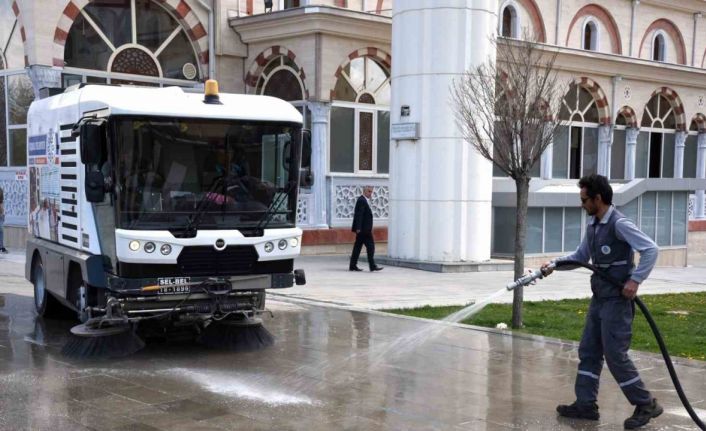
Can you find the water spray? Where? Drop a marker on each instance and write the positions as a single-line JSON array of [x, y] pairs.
[[539, 274]]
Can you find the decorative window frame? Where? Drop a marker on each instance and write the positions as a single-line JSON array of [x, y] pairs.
[[663, 35], [178, 29], [582, 124], [595, 36], [359, 108], [515, 24], [282, 66]]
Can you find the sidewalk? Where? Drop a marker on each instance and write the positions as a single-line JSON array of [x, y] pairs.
[[329, 281]]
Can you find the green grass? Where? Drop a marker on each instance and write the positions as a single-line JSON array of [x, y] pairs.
[[684, 334]]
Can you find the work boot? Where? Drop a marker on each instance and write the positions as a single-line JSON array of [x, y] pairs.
[[579, 411], [643, 414]]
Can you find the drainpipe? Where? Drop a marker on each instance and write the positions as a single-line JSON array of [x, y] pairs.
[[211, 37], [697, 15], [556, 27], [632, 25], [616, 79]]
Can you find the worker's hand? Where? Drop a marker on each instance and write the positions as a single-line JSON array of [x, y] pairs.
[[546, 270], [630, 289]]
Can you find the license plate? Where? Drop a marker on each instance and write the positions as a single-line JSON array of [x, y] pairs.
[[174, 285]]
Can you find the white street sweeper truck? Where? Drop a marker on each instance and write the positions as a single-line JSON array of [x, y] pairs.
[[163, 209]]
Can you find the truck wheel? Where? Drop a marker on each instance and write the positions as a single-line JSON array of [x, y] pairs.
[[45, 304]]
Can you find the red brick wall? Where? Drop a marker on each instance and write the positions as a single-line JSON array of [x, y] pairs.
[[338, 236]]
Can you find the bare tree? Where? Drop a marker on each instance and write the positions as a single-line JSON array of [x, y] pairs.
[[507, 110]]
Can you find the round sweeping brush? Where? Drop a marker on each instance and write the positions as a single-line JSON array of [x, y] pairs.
[[101, 343], [236, 335]]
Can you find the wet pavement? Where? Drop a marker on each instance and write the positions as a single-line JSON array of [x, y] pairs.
[[331, 368]]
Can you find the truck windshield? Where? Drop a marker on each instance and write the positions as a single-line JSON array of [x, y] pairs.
[[231, 173]]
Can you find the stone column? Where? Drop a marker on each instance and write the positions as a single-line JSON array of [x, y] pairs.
[[547, 162], [319, 156], [700, 173], [631, 134], [440, 188], [679, 143], [43, 77], [605, 139]]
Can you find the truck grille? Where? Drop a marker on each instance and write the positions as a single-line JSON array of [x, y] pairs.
[[207, 261]]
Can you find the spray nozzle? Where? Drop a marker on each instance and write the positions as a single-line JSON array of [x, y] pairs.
[[531, 277]]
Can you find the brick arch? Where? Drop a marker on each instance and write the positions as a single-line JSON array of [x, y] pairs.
[[383, 58], [630, 116], [700, 120], [179, 9], [676, 105], [16, 10], [604, 116], [262, 59], [530, 6], [673, 31], [602, 15]]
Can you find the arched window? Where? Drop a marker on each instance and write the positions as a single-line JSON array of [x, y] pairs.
[[130, 37], [575, 150], [655, 148], [509, 22], [360, 118], [16, 90], [658, 48], [280, 78], [590, 36]]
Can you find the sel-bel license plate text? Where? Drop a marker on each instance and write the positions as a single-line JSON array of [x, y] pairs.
[[174, 285]]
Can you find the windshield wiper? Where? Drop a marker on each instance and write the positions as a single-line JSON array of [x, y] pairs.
[[192, 222], [272, 209]]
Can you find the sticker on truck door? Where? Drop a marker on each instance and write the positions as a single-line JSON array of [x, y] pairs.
[[173, 285]]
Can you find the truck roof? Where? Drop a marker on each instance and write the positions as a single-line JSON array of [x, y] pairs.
[[173, 102]]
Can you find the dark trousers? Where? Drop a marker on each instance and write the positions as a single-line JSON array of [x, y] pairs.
[[607, 334], [360, 239]]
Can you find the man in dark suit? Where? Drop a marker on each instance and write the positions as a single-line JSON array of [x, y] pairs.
[[363, 228]]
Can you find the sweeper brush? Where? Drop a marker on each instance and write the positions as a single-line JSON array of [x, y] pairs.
[[86, 342], [243, 335]]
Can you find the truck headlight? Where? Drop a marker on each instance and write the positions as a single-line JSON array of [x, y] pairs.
[[165, 249], [293, 242], [269, 246], [282, 244], [150, 247], [134, 245]]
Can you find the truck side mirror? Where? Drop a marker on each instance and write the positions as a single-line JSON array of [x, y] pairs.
[[95, 186], [306, 176], [93, 140]]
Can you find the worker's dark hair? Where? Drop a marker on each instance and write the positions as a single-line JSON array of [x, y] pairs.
[[597, 185]]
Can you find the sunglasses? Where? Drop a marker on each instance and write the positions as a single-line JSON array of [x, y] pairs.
[[583, 200]]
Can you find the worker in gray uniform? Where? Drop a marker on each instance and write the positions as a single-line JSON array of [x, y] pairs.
[[609, 243]]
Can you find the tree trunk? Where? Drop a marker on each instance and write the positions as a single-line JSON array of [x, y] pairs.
[[522, 193]]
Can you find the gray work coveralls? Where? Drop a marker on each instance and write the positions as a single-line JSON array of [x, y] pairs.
[[608, 329]]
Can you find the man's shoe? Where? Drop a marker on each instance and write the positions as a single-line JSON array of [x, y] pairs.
[[354, 268], [376, 268], [643, 414], [3, 250], [579, 411]]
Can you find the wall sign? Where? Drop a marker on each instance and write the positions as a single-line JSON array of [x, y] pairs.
[[402, 131]]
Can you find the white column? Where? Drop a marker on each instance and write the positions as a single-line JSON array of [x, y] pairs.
[[679, 143], [630, 148], [319, 156], [605, 138], [440, 188], [546, 161], [700, 173]]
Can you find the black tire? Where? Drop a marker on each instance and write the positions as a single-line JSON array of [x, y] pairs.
[[45, 304]]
